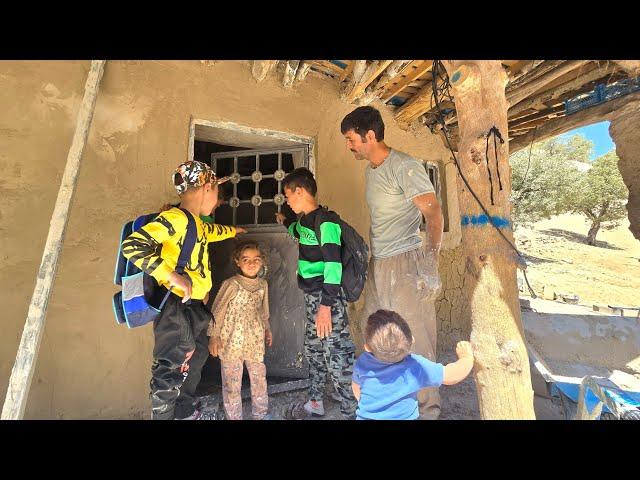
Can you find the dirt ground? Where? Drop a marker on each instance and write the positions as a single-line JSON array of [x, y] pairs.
[[560, 261], [607, 273], [459, 402]]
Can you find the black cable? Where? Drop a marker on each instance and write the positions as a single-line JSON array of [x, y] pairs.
[[496, 135], [486, 156], [436, 66], [526, 173]]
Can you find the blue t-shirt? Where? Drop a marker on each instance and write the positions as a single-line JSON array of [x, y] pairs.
[[389, 391]]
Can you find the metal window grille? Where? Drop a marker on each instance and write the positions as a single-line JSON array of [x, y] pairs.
[[256, 179]]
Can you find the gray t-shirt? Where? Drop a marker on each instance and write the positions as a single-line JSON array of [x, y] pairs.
[[390, 188]]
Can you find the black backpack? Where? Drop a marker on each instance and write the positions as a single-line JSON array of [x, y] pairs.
[[355, 256]]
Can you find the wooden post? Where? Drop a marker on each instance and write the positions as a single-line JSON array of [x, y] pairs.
[[501, 369], [303, 70], [22, 373], [261, 68], [289, 75]]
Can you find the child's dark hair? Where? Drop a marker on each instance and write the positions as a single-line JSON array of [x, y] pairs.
[[363, 119], [388, 336], [303, 178], [247, 245]]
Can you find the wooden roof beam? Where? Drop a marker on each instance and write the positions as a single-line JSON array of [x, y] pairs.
[[515, 76], [558, 91], [357, 71], [373, 69], [542, 116], [525, 90], [289, 75], [261, 68], [632, 67], [540, 73], [376, 91], [557, 126], [535, 72], [417, 105], [347, 71], [421, 69], [303, 70]]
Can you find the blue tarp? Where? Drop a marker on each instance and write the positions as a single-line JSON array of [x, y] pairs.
[[572, 390]]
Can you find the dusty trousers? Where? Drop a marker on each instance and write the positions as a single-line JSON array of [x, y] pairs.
[[333, 355], [408, 283], [232, 386], [179, 352]]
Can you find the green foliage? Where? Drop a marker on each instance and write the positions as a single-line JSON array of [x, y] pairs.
[[579, 147], [557, 177], [543, 185], [601, 194]]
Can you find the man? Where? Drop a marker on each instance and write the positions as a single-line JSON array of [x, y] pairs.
[[402, 274]]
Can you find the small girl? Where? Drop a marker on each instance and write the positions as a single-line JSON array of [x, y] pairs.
[[240, 331]]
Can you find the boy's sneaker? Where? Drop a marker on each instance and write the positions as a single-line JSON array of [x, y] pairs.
[[301, 411], [200, 415]]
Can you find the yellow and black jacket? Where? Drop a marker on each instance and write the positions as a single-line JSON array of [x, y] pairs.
[[155, 248]]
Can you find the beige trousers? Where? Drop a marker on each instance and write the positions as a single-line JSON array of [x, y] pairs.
[[232, 385], [408, 283]]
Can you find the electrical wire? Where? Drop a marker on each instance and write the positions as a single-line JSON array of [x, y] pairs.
[[437, 66]]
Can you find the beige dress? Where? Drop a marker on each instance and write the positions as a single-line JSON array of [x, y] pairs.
[[241, 313]]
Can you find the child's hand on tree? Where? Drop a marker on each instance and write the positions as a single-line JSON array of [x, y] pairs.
[[268, 337], [240, 230], [457, 371], [463, 349], [215, 345], [176, 280]]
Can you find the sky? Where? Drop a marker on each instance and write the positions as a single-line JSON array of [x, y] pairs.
[[598, 133]]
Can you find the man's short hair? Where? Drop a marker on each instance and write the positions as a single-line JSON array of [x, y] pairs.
[[363, 119], [388, 336], [303, 178]]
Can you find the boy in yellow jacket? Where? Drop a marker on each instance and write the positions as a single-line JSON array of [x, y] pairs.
[[181, 327]]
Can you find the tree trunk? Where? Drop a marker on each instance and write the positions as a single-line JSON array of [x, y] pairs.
[[501, 369], [593, 231]]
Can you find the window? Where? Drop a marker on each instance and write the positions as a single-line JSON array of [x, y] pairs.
[[255, 192], [434, 175]]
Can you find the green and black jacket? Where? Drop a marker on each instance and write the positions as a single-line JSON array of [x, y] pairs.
[[319, 265]]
